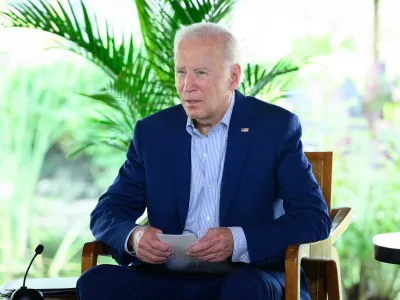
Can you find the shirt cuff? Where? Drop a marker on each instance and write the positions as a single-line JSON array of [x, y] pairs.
[[240, 253], [126, 243]]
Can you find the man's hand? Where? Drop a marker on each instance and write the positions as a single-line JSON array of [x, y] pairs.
[[147, 246], [216, 245]]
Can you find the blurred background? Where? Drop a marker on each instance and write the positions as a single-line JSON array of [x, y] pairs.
[[75, 77]]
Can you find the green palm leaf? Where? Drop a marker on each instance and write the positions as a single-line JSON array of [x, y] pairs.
[[114, 142], [133, 91], [195, 11], [143, 90], [82, 37], [258, 80], [158, 30], [133, 95], [112, 126], [160, 20], [139, 85]]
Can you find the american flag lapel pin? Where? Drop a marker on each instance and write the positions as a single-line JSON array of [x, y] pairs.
[[244, 130]]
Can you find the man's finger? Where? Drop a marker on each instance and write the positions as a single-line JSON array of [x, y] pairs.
[[149, 261], [157, 252], [215, 255], [207, 251], [201, 253], [150, 258], [199, 247], [143, 258], [158, 245]]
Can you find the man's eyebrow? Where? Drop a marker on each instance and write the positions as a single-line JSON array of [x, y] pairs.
[[196, 70], [202, 69]]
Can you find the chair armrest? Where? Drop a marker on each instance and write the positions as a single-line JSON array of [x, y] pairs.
[[321, 250], [90, 253], [341, 219]]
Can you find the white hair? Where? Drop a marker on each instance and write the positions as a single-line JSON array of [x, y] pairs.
[[231, 48]]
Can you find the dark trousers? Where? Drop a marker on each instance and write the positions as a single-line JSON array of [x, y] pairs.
[[116, 282]]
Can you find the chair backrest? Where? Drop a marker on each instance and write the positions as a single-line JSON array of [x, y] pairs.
[[315, 271], [321, 163]]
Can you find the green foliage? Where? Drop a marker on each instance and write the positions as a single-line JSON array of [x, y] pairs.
[[366, 177], [34, 109], [83, 38], [269, 84], [321, 45], [135, 94], [369, 184], [160, 20], [140, 82], [30, 128], [133, 91], [142, 79], [35, 112]]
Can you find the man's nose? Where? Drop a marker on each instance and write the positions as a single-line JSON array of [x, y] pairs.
[[189, 83]]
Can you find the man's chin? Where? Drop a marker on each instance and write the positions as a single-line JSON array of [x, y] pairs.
[[192, 115]]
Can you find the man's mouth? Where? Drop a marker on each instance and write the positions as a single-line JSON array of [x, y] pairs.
[[192, 101]]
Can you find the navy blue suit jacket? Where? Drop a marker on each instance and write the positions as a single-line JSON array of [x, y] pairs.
[[262, 166]]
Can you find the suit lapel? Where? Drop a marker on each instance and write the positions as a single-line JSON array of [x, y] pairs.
[[236, 153], [182, 169]]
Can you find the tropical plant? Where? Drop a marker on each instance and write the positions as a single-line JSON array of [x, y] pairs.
[[366, 178], [369, 184], [34, 112], [141, 76]]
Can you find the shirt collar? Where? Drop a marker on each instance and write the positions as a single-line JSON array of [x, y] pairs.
[[225, 119]]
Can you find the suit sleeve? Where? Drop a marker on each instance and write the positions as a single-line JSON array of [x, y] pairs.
[[306, 217], [122, 204]]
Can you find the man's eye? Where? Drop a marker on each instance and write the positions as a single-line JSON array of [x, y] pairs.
[[180, 72], [201, 72]]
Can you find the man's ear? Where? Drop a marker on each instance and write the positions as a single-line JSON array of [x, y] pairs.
[[235, 76]]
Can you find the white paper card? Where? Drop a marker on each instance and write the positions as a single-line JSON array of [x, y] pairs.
[[179, 261]]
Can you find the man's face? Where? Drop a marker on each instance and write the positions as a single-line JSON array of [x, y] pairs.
[[203, 83]]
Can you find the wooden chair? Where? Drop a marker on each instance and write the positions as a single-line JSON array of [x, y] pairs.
[[319, 260]]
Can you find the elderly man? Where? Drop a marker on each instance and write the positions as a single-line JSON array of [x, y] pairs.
[[228, 168]]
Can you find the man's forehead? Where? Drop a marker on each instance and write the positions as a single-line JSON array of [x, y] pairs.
[[185, 58], [206, 62], [200, 45], [214, 40], [201, 55]]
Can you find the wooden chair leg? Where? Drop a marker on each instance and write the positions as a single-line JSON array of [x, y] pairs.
[[334, 283], [316, 278], [292, 273], [89, 255], [292, 285]]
